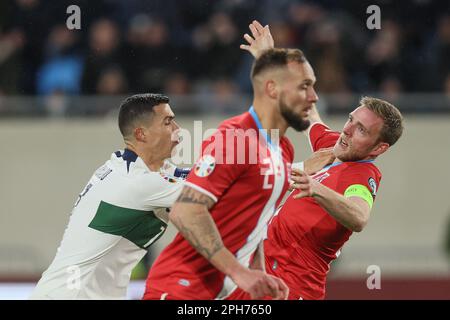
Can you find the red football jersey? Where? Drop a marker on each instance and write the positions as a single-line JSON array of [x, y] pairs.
[[303, 238], [247, 188]]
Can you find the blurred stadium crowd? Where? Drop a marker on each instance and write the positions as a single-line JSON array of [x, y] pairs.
[[182, 47]]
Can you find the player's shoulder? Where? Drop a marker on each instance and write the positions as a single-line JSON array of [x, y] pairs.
[[287, 146], [285, 141], [319, 125], [321, 136], [363, 167], [153, 184], [319, 128], [242, 121], [153, 178]]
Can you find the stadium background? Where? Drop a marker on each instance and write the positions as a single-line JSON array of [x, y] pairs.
[[60, 89]]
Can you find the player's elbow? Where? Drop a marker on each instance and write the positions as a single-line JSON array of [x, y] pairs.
[[357, 228], [174, 215], [359, 224]]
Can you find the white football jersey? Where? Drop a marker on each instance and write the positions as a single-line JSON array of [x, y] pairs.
[[113, 222]]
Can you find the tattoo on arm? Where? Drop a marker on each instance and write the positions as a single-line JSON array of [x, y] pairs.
[[195, 222], [190, 195], [202, 234]]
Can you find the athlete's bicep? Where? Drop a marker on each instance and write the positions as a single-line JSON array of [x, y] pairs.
[[190, 196], [362, 204], [321, 136], [190, 203], [360, 192], [189, 208], [161, 192], [361, 196]]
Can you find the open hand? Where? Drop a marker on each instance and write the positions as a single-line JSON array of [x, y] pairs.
[[261, 41], [318, 160], [260, 284], [304, 183]]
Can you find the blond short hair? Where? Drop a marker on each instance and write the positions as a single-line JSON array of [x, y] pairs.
[[392, 118]]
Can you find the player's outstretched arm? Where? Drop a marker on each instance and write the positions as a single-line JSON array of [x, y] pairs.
[[190, 215], [352, 212], [314, 116]]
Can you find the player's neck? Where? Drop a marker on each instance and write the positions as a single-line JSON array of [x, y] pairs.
[[152, 162], [337, 160], [270, 117], [155, 166], [151, 159]]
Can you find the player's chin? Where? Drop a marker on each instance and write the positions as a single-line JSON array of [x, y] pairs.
[[306, 112], [173, 150], [340, 153], [305, 118], [338, 150], [174, 144]]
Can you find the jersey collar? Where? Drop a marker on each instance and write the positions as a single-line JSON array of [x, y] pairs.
[[261, 130], [339, 163], [128, 155]]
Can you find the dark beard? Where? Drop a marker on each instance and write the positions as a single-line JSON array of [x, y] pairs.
[[294, 121]]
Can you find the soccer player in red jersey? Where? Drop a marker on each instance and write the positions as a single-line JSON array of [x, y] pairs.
[[322, 212], [232, 191]]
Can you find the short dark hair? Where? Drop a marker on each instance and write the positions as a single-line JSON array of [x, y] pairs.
[[392, 118], [276, 57], [137, 106]]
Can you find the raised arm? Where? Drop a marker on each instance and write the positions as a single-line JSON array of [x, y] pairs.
[[316, 162], [260, 41], [190, 214], [314, 116]]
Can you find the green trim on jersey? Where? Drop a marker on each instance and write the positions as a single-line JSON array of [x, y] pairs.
[[139, 226], [361, 191]]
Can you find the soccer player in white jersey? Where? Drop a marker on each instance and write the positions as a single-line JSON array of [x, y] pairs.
[[122, 209]]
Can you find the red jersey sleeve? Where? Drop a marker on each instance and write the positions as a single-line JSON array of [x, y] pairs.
[[288, 148], [320, 136], [218, 167]]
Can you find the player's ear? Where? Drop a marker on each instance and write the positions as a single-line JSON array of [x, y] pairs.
[[271, 89], [380, 148], [139, 134]]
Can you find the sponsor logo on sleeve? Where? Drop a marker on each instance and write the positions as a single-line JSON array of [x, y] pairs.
[[168, 178], [373, 186], [319, 177], [205, 166]]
